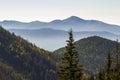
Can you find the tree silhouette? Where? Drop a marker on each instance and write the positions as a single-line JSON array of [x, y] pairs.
[[69, 68]]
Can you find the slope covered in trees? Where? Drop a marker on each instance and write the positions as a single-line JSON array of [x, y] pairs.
[[92, 52], [23, 60], [8, 73], [112, 69]]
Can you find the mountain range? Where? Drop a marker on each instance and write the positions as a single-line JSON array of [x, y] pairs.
[[40, 33], [76, 23]]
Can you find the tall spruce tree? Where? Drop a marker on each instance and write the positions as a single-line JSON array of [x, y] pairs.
[[69, 68]]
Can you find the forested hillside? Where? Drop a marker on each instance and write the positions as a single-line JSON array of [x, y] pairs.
[[8, 73], [92, 52], [20, 60]]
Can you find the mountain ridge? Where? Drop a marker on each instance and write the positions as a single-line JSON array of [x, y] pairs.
[[92, 52], [73, 19], [69, 18], [52, 36], [94, 27]]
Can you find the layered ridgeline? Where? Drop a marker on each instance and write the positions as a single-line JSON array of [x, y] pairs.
[[92, 53], [42, 36], [21, 60], [76, 23], [41, 33]]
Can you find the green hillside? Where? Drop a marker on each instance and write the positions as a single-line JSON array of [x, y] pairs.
[[92, 52], [21, 60], [19, 57], [8, 73]]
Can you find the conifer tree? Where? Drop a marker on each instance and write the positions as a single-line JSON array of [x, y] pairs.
[[69, 68]]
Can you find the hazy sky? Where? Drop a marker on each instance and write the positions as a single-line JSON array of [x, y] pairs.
[[47, 10]]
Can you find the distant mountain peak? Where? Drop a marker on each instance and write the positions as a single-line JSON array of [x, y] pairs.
[[74, 19]]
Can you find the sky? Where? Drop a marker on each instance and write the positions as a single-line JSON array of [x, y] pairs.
[[48, 10]]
